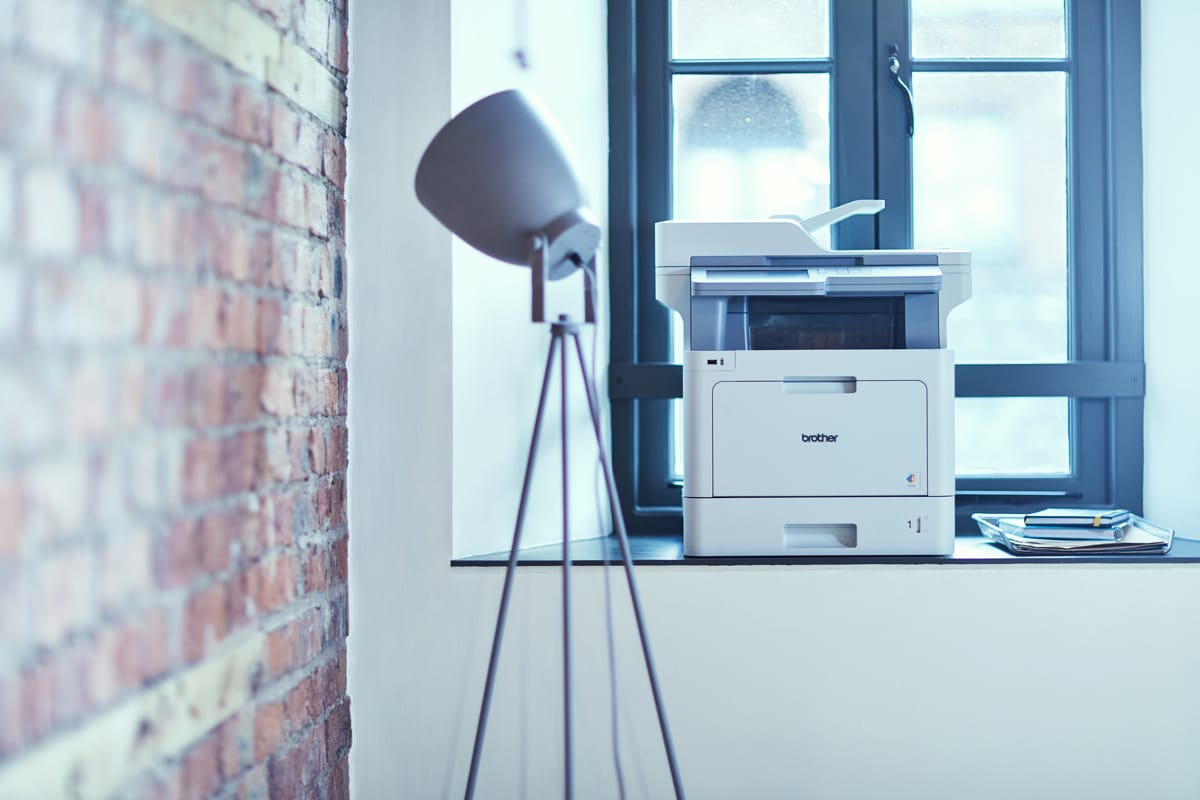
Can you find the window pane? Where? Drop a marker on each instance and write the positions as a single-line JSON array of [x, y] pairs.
[[751, 29], [749, 146], [990, 175], [988, 29], [1012, 436]]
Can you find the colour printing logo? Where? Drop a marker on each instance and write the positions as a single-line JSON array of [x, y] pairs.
[[912, 479]]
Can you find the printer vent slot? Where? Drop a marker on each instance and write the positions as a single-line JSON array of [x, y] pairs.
[[826, 323]]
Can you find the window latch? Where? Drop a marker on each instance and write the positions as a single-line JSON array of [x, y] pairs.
[[894, 69]]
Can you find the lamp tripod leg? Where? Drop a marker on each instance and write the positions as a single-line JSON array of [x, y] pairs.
[[509, 574], [566, 573], [623, 540]]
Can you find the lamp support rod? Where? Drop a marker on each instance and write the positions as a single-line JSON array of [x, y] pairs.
[[560, 331]]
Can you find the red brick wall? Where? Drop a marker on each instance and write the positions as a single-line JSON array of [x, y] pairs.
[[173, 398]]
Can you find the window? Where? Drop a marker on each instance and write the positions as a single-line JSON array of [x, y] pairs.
[[1026, 150]]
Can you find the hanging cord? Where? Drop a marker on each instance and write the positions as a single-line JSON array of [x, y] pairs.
[[894, 69], [521, 33], [589, 268]]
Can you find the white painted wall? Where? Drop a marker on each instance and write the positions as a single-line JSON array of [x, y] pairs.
[[499, 355], [825, 682], [1171, 174]]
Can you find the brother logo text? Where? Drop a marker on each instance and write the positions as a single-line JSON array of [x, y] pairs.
[[818, 437]]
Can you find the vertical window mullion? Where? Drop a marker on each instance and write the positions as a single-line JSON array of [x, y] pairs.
[[893, 153], [852, 115]]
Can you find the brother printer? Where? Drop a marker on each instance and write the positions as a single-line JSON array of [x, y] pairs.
[[818, 396]]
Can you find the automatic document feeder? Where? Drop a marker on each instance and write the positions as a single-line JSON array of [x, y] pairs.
[[818, 391]]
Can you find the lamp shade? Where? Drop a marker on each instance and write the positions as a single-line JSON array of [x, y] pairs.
[[498, 174]]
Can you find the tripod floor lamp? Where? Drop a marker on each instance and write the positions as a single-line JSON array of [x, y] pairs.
[[498, 176]]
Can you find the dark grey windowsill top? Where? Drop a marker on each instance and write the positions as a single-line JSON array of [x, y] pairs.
[[668, 550]]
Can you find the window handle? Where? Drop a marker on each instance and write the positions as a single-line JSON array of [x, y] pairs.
[[894, 69]]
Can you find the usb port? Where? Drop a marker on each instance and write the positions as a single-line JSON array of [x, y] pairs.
[[712, 362]]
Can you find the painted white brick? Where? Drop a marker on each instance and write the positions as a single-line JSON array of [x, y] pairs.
[[10, 304], [58, 491], [314, 27], [95, 759], [7, 207], [54, 30], [50, 210], [30, 405]]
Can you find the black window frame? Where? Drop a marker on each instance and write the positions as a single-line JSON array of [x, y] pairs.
[[1105, 378]]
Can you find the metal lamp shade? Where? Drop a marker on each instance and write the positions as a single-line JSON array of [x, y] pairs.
[[498, 175]]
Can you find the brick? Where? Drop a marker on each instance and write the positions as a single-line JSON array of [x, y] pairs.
[[295, 137], [338, 448], [236, 737], [331, 679], [261, 190], [54, 30], [298, 455], [49, 213], [268, 729], [291, 772], [337, 780], [204, 621], [224, 177], [28, 96], [333, 160], [317, 450], [15, 619], [304, 80], [313, 26], [278, 389], [301, 705], [337, 505], [339, 553], [57, 494], [283, 519], [318, 209], [89, 399], [201, 478], [241, 322], [269, 325], [254, 786], [204, 317], [30, 405], [145, 136], [35, 701], [94, 236], [201, 769], [63, 599], [337, 731], [12, 517], [316, 570], [290, 202], [250, 121], [126, 573], [7, 208], [131, 57], [272, 583], [85, 308], [206, 386], [86, 127], [243, 390], [338, 51]]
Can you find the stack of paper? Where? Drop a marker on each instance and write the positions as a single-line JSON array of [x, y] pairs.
[[1064, 534]]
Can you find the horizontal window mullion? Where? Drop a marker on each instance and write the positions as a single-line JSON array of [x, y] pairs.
[[991, 65], [1072, 379], [749, 67]]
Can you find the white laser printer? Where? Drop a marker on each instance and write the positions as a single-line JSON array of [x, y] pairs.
[[818, 393]]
